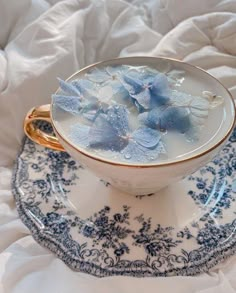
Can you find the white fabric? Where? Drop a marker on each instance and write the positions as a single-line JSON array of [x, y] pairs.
[[40, 40]]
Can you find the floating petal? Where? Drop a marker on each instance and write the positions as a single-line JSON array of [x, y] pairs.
[[140, 108], [180, 99], [122, 96], [134, 86], [91, 114], [68, 88], [150, 90], [86, 88], [115, 71], [143, 98], [151, 119], [79, 134], [138, 153], [144, 119], [198, 106], [93, 109], [67, 103], [98, 75], [160, 84], [118, 117], [159, 91], [199, 103], [168, 118], [104, 135], [146, 137]]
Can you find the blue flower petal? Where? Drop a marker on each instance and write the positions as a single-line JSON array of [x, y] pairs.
[[146, 137], [91, 106], [159, 91], [134, 86], [68, 88], [67, 103], [102, 75], [122, 96], [91, 114], [98, 75], [150, 119], [143, 98], [167, 118], [150, 90], [103, 134], [160, 84], [118, 117], [79, 134], [115, 71], [93, 109], [148, 78], [140, 108], [138, 153], [86, 88], [175, 119]]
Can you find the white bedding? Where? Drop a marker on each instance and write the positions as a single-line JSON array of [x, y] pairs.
[[40, 40]]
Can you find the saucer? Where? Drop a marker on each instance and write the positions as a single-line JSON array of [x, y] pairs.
[[185, 229]]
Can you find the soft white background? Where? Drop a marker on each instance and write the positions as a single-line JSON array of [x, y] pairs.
[[40, 40]]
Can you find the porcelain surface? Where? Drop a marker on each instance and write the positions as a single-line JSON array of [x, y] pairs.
[[185, 229], [148, 178], [143, 178]]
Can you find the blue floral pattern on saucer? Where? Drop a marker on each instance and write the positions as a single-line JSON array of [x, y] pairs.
[[186, 229]]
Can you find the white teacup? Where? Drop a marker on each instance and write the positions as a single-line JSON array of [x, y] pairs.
[[139, 179]]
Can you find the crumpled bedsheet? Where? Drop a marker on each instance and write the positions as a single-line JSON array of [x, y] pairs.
[[41, 40]]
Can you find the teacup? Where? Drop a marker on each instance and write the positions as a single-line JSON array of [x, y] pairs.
[[144, 178]]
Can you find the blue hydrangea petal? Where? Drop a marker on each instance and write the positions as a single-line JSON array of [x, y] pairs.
[[115, 71], [199, 107], [159, 90], [91, 114], [160, 84], [118, 117], [148, 78], [93, 109], [148, 89], [150, 119], [86, 88], [158, 100], [110, 73], [143, 119], [67, 103], [68, 88], [122, 96], [79, 134], [146, 137], [143, 98], [133, 85], [104, 135], [174, 118], [137, 153], [168, 118], [98, 75], [89, 105], [140, 108]]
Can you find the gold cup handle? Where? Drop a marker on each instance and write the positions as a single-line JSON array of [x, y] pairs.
[[34, 133]]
